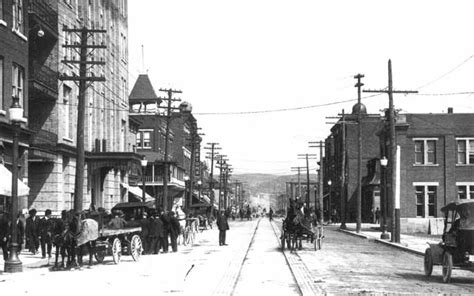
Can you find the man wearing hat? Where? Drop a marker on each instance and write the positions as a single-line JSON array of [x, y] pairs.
[[32, 241], [45, 232], [117, 222], [4, 230]]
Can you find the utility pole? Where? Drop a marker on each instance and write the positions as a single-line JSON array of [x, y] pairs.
[[298, 169], [359, 154], [212, 155], [169, 107], [392, 151], [320, 176], [221, 163], [85, 51], [308, 190]]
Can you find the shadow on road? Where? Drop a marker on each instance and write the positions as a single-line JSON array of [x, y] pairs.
[[435, 278]]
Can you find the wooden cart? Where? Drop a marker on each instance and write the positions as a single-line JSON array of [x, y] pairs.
[[116, 242]]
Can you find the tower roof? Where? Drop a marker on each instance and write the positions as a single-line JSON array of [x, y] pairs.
[[143, 90]]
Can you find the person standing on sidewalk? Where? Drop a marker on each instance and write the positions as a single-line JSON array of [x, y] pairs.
[[166, 230], [174, 231], [223, 226], [32, 241], [45, 232], [270, 214], [4, 230]]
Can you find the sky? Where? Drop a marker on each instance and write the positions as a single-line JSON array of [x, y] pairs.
[[258, 55]]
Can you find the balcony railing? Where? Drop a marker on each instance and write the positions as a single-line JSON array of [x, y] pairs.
[[43, 14], [44, 138], [44, 81], [159, 180]]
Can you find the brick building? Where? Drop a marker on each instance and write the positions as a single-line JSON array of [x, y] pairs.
[[341, 156], [13, 82], [436, 165], [150, 142], [109, 156]]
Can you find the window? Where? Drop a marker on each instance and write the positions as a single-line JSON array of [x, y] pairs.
[[18, 80], [465, 190], [144, 139], [426, 196], [465, 151], [17, 16], [425, 151]]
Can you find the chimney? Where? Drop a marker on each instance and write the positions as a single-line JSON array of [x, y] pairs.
[[450, 110]]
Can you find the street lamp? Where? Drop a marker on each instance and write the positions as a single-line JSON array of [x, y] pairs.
[[143, 162], [383, 164], [13, 263], [329, 202], [199, 183]]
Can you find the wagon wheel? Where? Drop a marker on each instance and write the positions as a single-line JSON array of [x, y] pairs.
[[100, 255], [428, 262], [447, 267], [136, 247], [116, 250]]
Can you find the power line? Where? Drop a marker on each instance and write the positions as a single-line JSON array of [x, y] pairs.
[[447, 73]]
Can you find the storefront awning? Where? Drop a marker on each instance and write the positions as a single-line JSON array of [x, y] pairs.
[[137, 191], [6, 183]]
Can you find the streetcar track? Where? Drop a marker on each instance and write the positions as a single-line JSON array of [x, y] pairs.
[[286, 260], [310, 288], [245, 257]]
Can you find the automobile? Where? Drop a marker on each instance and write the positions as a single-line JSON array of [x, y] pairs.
[[456, 250], [134, 210]]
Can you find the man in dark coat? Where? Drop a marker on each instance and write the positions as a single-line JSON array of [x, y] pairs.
[[156, 234], [166, 230], [4, 231], [32, 235], [46, 233], [145, 225], [174, 231], [223, 227]]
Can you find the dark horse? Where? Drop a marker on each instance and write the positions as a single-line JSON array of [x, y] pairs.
[[295, 225], [67, 239]]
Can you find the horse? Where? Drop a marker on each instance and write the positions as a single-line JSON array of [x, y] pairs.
[[181, 216]]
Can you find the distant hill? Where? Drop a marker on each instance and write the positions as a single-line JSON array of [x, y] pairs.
[[268, 183]]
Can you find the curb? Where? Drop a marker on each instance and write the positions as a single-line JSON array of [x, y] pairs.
[[381, 241]]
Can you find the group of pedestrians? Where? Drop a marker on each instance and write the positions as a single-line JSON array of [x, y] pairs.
[[34, 231], [159, 231]]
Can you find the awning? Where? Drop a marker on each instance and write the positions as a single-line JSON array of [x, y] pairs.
[[135, 190], [6, 183]]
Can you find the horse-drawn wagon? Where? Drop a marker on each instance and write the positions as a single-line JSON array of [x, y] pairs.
[[297, 227], [115, 242]]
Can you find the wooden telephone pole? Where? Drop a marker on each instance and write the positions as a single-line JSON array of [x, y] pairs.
[[85, 51], [169, 108], [212, 155], [320, 145], [308, 190], [392, 151], [359, 154]]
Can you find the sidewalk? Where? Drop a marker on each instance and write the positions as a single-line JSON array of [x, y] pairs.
[[409, 243], [30, 261]]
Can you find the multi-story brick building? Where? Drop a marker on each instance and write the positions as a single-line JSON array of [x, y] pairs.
[[13, 83], [341, 157], [436, 165], [109, 156], [144, 106]]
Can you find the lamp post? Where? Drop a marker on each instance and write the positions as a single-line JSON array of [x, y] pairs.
[[329, 202], [186, 195], [383, 164], [13, 263], [143, 162]]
